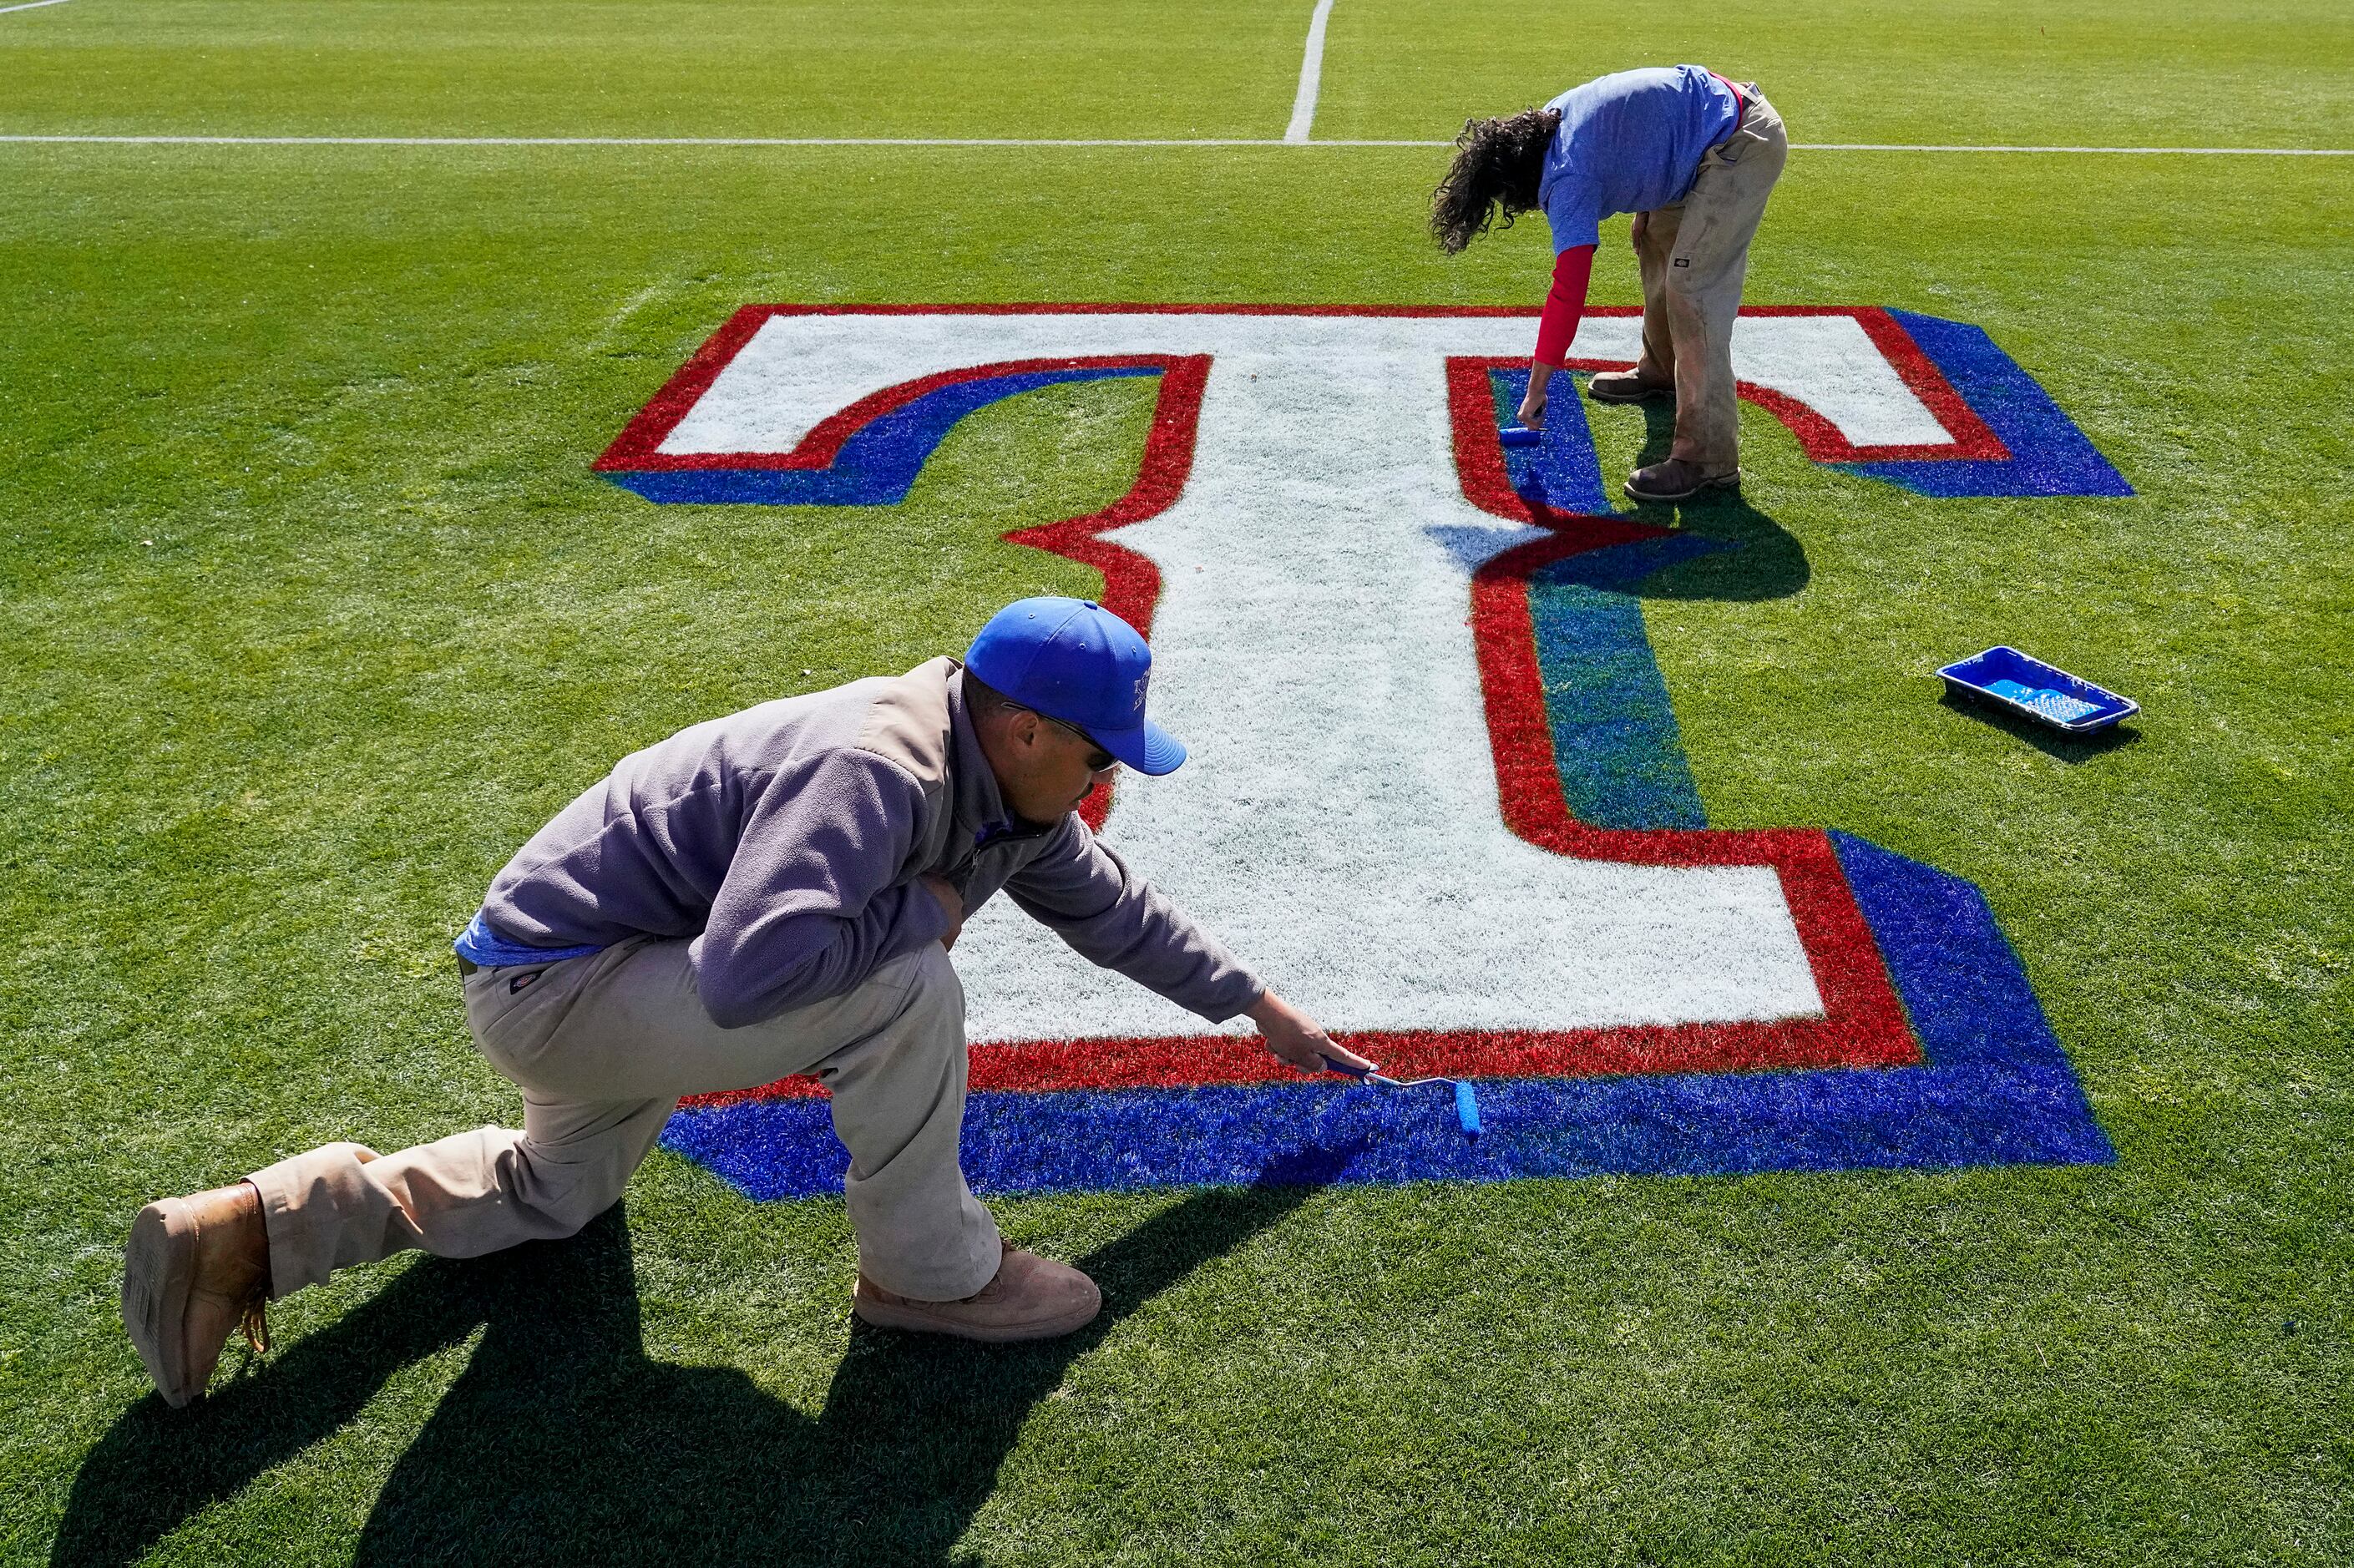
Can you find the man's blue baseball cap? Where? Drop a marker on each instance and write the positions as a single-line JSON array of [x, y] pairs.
[[1073, 660]]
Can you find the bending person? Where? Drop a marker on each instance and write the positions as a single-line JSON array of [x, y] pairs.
[[1694, 157], [768, 893]]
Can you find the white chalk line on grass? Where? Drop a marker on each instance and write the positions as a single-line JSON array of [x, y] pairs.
[[1971, 147], [1311, 76], [676, 140], [1049, 141], [29, 6]]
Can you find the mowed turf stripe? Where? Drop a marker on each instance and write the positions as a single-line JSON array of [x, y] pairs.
[[1057, 141]]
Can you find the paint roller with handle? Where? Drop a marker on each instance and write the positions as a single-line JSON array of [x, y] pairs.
[[1467, 1100]]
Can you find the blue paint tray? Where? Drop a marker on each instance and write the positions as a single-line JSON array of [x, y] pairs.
[[2044, 693]]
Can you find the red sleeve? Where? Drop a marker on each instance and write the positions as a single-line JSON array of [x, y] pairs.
[[1571, 272]]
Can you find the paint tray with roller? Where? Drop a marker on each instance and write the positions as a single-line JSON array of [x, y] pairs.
[[2043, 693]]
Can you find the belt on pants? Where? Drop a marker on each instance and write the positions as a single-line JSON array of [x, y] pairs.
[[1745, 96]]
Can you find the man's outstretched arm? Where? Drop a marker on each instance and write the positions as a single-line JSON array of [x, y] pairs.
[[1086, 893]]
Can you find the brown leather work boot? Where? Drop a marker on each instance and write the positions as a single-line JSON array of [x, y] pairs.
[[1627, 387], [197, 1268], [1032, 1298], [1679, 479]]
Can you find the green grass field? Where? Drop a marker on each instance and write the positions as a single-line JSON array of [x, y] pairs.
[[314, 612]]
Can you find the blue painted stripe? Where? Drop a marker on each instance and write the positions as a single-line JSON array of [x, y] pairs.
[[1969, 998], [1615, 739], [2049, 455], [1562, 471], [1615, 743], [1699, 1125], [1996, 1089], [878, 465]]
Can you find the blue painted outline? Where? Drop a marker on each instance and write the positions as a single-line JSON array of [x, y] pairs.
[[1615, 743], [1615, 740], [2049, 455], [1562, 471], [879, 465]]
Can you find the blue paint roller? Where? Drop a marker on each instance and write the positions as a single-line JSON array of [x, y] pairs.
[[1519, 436], [1466, 1099]]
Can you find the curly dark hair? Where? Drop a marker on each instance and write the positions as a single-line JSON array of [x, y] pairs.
[[1498, 163]]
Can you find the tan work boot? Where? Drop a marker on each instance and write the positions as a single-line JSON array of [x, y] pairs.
[[1627, 387], [1679, 479], [198, 1269], [1032, 1298]]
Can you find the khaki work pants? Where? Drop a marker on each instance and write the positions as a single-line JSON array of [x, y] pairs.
[[602, 1048], [1694, 254]]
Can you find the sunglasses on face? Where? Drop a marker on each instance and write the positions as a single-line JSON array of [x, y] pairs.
[[1098, 760]]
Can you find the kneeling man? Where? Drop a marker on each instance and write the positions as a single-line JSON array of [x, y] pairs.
[[763, 894]]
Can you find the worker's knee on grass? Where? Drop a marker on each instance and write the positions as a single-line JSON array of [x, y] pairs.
[[592, 1198]]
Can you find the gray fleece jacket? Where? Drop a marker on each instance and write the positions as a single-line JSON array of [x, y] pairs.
[[786, 839]]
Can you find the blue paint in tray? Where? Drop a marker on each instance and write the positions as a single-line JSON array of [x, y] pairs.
[[2045, 693]]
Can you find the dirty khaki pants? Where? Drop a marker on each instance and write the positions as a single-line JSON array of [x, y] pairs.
[[1694, 254], [602, 1048]]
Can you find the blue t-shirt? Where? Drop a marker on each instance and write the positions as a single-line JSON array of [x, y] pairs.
[[1629, 143]]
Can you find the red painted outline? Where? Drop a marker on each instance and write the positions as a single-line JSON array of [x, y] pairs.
[[637, 450], [1132, 588], [1863, 1022], [1189, 1061]]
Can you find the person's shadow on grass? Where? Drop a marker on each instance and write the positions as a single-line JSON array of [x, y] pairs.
[[1762, 561], [1756, 558], [561, 1440]]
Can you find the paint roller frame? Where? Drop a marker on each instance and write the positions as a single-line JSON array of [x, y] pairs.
[[1466, 1098]]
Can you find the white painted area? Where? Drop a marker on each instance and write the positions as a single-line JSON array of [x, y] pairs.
[[29, 6], [1311, 76], [1046, 141], [788, 377], [1830, 364], [774, 390], [1338, 824]]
